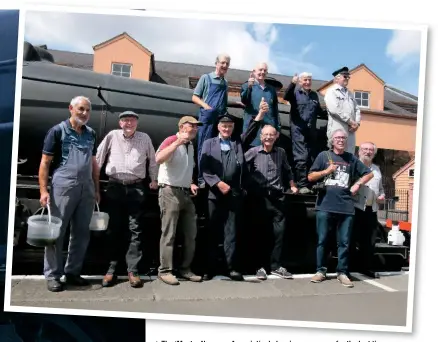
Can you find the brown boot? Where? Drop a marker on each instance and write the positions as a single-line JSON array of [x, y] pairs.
[[134, 280], [109, 280]]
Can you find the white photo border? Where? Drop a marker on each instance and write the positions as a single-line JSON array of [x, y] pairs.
[[223, 17]]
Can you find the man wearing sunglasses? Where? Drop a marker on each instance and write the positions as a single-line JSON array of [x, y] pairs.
[[342, 109]]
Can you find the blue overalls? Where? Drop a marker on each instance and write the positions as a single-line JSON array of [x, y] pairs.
[[215, 98], [303, 133], [251, 98], [72, 198]]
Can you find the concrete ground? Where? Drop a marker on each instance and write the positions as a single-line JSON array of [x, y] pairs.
[[371, 301]]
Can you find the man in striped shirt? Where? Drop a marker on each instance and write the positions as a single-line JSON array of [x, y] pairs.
[[127, 153], [269, 166]]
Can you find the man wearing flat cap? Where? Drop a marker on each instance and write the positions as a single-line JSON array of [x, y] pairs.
[[342, 109], [130, 158], [176, 160], [224, 170]]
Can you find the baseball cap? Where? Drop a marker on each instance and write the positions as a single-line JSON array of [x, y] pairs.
[[189, 119]]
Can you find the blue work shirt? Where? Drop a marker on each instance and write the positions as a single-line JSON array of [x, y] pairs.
[[304, 107], [202, 87], [53, 146], [251, 98]]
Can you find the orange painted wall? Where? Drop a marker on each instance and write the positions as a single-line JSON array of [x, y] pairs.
[[363, 80], [387, 132], [123, 51]]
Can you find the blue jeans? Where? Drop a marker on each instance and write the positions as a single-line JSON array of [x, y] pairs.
[[343, 223]]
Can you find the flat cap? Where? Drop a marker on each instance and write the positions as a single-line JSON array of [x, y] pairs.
[[344, 70], [128, 113], [189, 119], [226, 118]]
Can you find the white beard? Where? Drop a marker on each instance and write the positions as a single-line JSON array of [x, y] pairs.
[[80, 122]]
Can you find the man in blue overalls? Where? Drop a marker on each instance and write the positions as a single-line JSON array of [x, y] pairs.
[[71, 146], [304, 110], [211, 94], [252, 94]]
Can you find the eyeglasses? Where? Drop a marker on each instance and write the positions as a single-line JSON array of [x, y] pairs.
[[340, 138]]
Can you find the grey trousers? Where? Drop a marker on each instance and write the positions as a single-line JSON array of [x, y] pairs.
[[177, 209], [74, 205]]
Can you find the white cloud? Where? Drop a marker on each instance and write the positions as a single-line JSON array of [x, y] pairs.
[[174, 40], [403, 47]]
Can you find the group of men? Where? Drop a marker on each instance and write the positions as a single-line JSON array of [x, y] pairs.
[[231, 168]]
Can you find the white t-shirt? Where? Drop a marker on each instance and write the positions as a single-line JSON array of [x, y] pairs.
[[178, 169]]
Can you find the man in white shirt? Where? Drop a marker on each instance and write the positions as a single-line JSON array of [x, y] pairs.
[[342, 109], [368, 198], [129, 157], [175, 179]]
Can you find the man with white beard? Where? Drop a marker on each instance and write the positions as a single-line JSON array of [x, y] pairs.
[[71, 147], [366, 206], [130, 157]]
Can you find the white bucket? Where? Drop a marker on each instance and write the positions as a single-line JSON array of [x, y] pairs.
[[99, 220], [43, 230]]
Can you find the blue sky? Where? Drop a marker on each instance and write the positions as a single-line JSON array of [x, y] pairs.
[[330, 48], [393, 55]]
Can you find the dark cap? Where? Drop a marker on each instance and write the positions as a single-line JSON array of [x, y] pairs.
[[128, 113], [189, 119], [343, 70], [226, 118]]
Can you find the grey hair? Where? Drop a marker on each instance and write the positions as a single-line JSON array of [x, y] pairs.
[[263, 63], [305, 74], [330, 139], [223, 55], [78, 99], [267, 125], [371, 143]]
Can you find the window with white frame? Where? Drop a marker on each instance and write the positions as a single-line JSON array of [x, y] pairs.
[[120, 69], [362, 98], [411, 173]]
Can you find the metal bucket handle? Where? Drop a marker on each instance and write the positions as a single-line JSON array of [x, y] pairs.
[[50, 215]]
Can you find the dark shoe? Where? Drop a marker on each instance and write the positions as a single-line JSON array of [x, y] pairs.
[[54, 285], [371, 274], [261, 274], [234, 275], [76, 280], [134, 279], [208, 276], [109, 280], [283, 273]]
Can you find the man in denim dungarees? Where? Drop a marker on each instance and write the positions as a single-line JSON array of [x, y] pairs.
[[211, 94], [71, 146]]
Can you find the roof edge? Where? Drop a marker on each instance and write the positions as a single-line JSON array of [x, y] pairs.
[[403, 168]]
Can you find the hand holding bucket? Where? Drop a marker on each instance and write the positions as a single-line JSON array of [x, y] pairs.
[[43, 230], [99, 220]]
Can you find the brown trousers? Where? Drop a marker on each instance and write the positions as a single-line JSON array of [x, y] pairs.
[[177, 209]]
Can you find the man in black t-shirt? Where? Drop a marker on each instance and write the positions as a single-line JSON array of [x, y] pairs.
[[335, 205]]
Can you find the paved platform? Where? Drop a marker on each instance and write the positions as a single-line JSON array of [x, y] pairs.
[[382, 301]]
